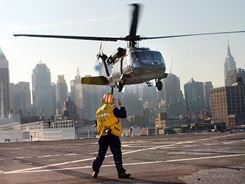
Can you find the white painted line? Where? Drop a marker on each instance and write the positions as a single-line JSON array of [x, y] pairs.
[[71, 154], [46, 156], [125, 153], [134, 146], [52, 165], [112, 165], [4, 149], [45, 170], [76, 168], [202, 158], [23, 157]]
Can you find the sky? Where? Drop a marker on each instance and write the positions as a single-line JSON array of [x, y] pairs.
[[200, 57]]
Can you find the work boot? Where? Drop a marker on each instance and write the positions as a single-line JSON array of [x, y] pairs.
[[95, 174], [124, 175]]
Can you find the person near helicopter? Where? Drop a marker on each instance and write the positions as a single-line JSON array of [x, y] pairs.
[[109, 130]]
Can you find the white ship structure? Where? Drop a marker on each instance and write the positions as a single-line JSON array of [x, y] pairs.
[[11, 130]]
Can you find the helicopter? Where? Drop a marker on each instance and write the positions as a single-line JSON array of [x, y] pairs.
[[130, 65]]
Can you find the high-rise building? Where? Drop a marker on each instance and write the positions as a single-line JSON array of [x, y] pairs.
[[146, 94], [69, 110], [228, 104], [73, 83], [173, 96], [239, 73], [88, 100], [229, 67], [61, 93], [53, 94], [134, 96], [207, 86], [4, 78], [20, 98], [194, 97], [42, 91]]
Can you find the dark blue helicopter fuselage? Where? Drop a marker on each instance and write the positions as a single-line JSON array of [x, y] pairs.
[[137, 66]]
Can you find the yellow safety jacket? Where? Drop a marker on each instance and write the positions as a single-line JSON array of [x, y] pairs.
[[107, 120]]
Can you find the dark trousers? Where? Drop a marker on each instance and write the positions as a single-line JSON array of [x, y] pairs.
[[114, 143]]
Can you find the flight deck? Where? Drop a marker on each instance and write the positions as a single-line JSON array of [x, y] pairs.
[[179, 158]]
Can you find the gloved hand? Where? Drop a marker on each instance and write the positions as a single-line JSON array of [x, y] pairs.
[[119, 102]]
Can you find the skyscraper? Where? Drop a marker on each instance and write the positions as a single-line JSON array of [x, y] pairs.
[[42, 91], [145, 94], [4, 78], [175, 105], [228, 104], [20, 98], [194, 96], [239, 73], [207, 86], [88, 99], [73, 83], [53, 94], [229, 67], [61, 92]]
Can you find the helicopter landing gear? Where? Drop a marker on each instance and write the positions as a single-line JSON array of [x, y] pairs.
[[159, 85], [120, 86]]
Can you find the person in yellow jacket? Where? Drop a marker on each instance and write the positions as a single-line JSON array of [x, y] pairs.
[[109, 130]]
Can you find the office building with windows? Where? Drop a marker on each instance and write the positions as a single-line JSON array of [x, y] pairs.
[[228, 104], [42, 91], [4, 81]]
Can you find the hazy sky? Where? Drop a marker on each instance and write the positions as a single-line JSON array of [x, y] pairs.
[[199, 57]]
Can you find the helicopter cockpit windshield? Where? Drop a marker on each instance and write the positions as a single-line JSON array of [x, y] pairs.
[[148, 57]]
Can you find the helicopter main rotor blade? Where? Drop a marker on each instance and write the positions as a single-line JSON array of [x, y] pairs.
[[127, 38], [94, 38], [134, 23], [185, 35]]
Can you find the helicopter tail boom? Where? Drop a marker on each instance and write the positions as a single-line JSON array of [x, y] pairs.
[[98, 80]]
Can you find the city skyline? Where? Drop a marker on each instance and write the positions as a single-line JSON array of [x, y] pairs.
[[196, 95], [201, 58], [78, 73]]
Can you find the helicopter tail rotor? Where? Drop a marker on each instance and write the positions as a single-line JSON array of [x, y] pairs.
[[99, 55], [104, 59]]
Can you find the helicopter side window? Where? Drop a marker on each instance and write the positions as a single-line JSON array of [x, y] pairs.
[[142, 56], [145, 56], [148, 55], [158, 56], [135, 56], [138, 56]]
